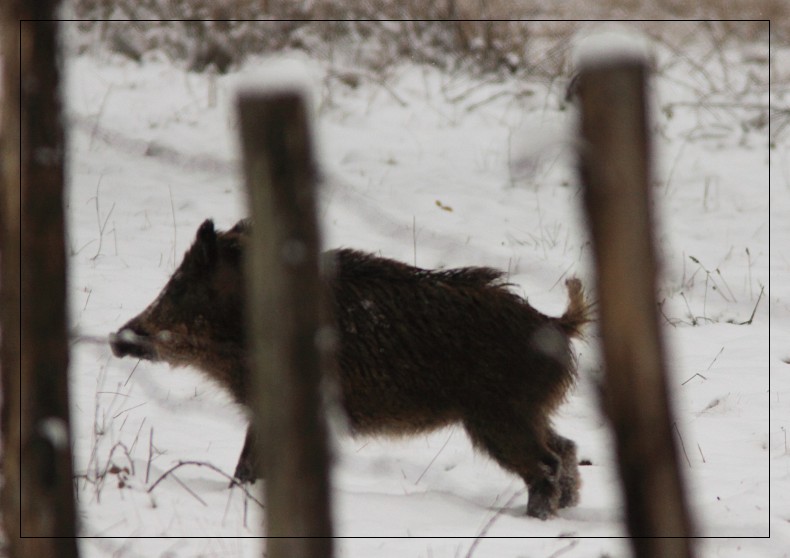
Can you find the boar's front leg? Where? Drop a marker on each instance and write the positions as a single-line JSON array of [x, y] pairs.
[[247, 468]]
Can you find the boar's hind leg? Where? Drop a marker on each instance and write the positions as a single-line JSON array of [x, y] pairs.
[[569, 470], [518, 447], [542, 479], [247, 467]]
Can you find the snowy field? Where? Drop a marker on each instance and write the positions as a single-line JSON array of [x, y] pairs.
[[444, 170]]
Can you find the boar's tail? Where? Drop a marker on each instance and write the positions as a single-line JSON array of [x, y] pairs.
[[579, 309]]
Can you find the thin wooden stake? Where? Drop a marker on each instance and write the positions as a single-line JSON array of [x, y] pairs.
[[287, 323], [615, 169]]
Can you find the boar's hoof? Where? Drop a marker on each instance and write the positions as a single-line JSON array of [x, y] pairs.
[[129, 343], [540, 508], [544, 499], [247, 469], [245, 472]]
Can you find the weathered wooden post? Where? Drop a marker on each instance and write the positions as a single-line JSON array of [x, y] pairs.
[[615, 162], [288, 330], [38, 492], [10, 286]]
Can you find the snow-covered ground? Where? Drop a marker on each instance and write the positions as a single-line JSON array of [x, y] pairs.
[[443, 170]]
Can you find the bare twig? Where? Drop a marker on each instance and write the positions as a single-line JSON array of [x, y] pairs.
[[749, 259], [564, 549], [674, 166], [673, 323], [694, 376], [90, 292], [709, 277], [754, 310], [352, 78], [729, 290], [137, 436], [99, 115], [434, 457], [490, 522], [233, 481], [122, 446], [129, 377], [150, 454], [682, 445], [119, 413], [715, 358], [691, 314], [102, 226], [192, 492], [515, 94]]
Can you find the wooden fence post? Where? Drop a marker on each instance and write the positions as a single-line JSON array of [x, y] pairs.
[[38, 496], [10, 285], [286, 322], [615, 168]]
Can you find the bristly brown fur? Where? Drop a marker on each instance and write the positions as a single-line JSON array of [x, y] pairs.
[[418, 349]]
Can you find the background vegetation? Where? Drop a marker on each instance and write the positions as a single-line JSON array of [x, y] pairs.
[[482, 35]]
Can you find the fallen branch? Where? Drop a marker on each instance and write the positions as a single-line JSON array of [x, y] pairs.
[[233, 481]]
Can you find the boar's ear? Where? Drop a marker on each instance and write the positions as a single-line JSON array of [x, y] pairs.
[[206, 242]]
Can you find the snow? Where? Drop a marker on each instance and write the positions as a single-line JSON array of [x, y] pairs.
[[609, 45], [441, 170]]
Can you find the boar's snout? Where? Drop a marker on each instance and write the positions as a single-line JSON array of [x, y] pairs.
[[132, 341]]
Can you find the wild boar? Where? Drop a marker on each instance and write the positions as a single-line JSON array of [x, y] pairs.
[[418, 349]]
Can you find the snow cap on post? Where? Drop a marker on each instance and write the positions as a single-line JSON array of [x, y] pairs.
[[610, 45], [282, 75]]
